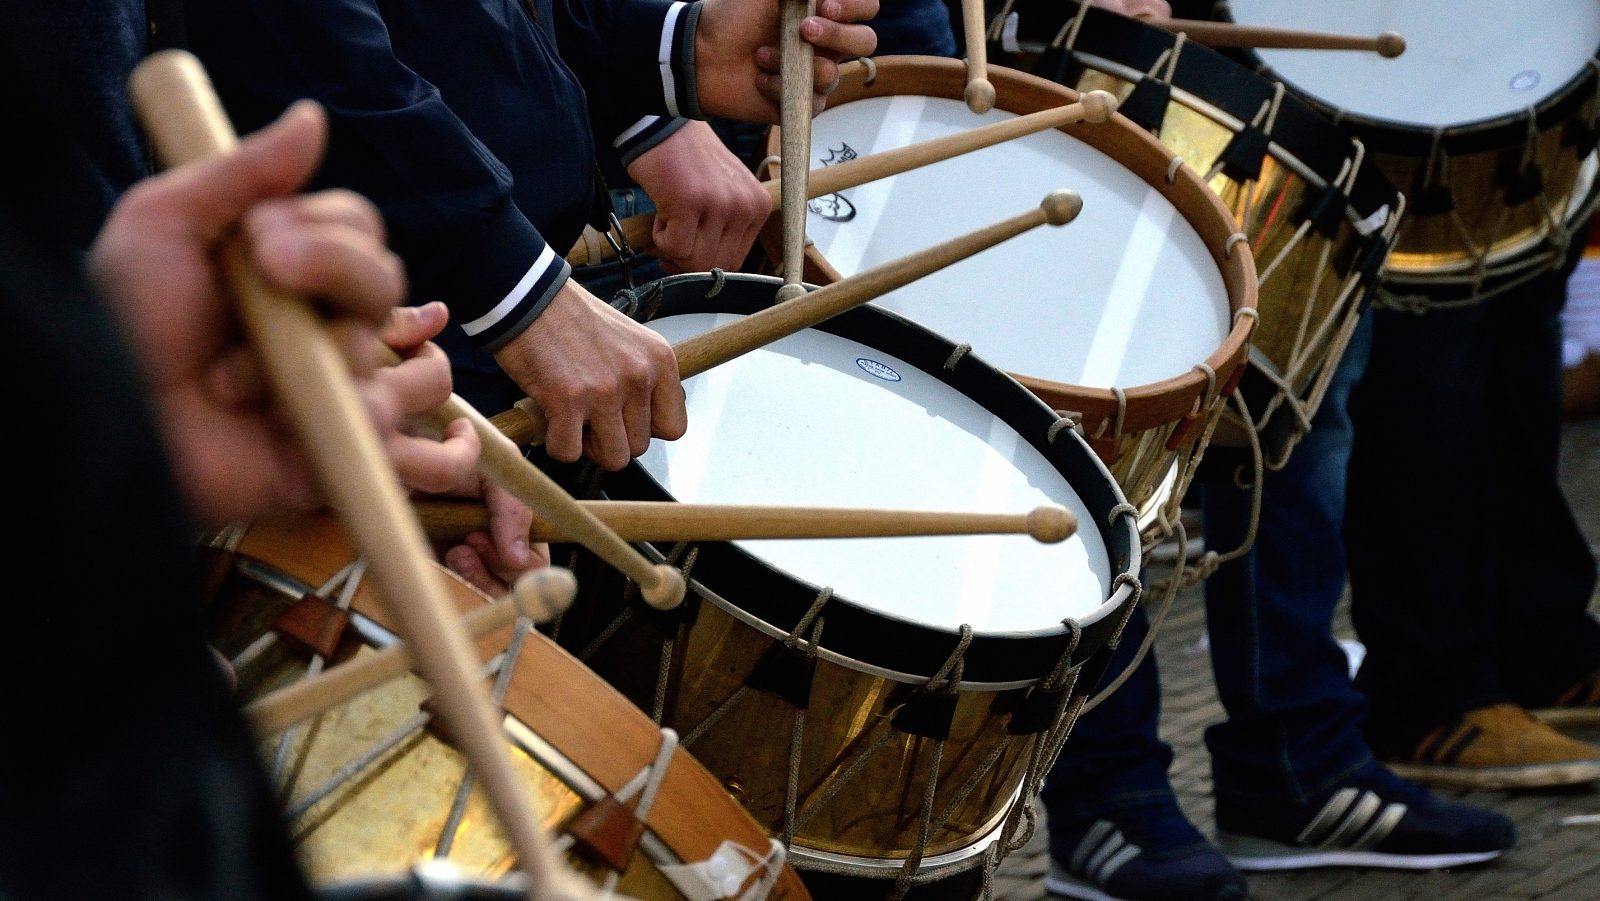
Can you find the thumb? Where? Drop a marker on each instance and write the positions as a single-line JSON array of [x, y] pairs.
[[212, 193]]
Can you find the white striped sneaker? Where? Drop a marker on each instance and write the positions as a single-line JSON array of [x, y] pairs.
[[1104, 865], [1379, 820]]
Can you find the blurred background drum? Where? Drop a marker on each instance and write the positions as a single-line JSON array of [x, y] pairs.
[[1487, 122], [375, 797], [1318, 214], [887, 706], [1133, 319]]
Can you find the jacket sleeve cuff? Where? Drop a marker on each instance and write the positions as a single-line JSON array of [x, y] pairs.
[[676, 61], [643, 136], [515, 275]]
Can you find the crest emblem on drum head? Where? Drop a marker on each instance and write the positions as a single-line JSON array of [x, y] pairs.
[[835, 207]]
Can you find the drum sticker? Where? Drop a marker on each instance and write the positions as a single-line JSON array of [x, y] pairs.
[[835, 207], [877, 370], [1526, 80]]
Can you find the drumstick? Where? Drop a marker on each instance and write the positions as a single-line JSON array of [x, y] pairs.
[[539, 594], [1093, 106], [502, 463], [1388, 44], [795, 117], [980, 93], [185, 121], [449, 520], [525, 422]]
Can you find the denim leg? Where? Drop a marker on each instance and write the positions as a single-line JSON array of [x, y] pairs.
[[604, 280], [1294, 719], [921, 27], [1546, 575], [1422, 561], [1113, 757]]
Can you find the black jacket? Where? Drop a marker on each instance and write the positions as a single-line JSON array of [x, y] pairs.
[[462, 122]]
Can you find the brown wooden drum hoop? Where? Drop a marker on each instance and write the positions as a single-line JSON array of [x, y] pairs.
[[578, 714], [1307, 311], [1148, 406]]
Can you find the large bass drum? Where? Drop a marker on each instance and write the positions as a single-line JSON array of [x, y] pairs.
[[379, 802], [1487, 122], [885, 706], [1319, 215], [1134, 317]]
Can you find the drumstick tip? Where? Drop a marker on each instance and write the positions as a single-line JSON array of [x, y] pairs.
[[1098, 105], [980, 95], [1051, 524], [667, 593], [544, 594], [1061, 206], [1391, 45]]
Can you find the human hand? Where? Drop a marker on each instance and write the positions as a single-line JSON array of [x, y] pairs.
[[155, 264], [606, 384], [737, 59], [709, 207], [491, 561]]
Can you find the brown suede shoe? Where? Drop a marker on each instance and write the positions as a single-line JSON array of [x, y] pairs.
[[1496, 747], [1577, 706]]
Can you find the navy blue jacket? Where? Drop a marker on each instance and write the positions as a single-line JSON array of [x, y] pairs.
[[462, 122]]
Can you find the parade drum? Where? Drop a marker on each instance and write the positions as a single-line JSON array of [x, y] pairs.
[[1134, 319], [885, 706], [374, 794], [1487, 122], [1318, 214]]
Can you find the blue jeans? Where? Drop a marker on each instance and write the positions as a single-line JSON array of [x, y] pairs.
[[1470, 579], [922, 27], [1294, 720]]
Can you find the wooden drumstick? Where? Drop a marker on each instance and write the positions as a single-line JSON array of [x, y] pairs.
[[503, 464], [1093, 106], [449, 520], [1388, 44], [795, 117], [540, 594], [185, 121], [700, 352], [980, 93], [525, 422]]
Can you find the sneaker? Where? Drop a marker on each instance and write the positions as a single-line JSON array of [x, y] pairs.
[[1577, 706], [1497, 747], [1139, 854], [1376, 820]]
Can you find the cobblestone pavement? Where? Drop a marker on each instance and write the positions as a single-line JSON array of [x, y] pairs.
[[1552, 862]]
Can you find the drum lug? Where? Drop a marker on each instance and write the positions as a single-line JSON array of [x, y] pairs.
[[1184, 430], [313, 624], [1104, 448], [607, 832], [787, 673]]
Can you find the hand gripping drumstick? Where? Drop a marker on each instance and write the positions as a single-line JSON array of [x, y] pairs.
[[980, 93], [525, 422], [1093, 106], [1229, 34], [661, 585], [540, 594], [185, 122], [795, 57], [450, 520]]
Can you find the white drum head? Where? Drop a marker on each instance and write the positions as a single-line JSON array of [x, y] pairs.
[[1125, 295], [816, 419], [1463, 63]]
